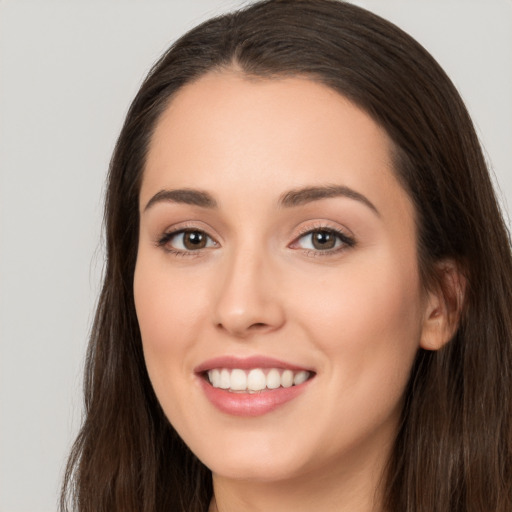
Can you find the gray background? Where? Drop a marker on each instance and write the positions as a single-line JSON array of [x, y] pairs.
[[68, 71]]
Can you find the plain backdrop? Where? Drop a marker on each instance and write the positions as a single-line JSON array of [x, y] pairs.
[[68, 71]]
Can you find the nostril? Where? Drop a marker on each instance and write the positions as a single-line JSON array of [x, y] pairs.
[[243, 331]]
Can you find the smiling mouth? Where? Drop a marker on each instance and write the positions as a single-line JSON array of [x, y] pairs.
[[256, 380]]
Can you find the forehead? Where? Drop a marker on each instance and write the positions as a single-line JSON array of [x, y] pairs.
[[260, 134], [265, 111]]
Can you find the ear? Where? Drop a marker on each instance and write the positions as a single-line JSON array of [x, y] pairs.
[[443, 306]]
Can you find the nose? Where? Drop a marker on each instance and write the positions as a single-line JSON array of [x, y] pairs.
[[249, 298]]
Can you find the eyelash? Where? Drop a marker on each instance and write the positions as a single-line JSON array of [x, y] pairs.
[[346, 242], [168, 236]]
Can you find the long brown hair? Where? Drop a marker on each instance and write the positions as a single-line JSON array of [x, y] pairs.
[[453, 452]]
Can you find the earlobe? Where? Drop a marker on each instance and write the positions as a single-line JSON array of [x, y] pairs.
[[443, 306]]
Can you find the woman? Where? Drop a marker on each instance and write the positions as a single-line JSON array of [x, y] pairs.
[[307, 296]]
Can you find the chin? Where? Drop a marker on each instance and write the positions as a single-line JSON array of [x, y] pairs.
[[262, 470], [256, 456]]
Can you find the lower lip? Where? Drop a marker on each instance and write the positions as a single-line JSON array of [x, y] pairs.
[[250, 404]]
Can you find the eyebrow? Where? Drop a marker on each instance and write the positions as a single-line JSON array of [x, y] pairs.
[[309, 194], [183, 196], [290, 199]]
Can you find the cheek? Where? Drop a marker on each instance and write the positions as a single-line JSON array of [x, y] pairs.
[[367, 325], [366, 319], [170, 312], [166, 305]]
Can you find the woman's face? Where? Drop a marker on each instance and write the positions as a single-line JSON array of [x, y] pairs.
[[276, 246]]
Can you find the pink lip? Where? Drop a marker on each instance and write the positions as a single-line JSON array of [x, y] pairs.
[[246, 363], [248, 404]]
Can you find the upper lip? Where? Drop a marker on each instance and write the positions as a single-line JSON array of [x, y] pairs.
[[247, 363]]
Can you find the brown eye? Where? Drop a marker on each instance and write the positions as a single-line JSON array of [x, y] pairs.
[[193, 240], [323, 240], [187, 240]]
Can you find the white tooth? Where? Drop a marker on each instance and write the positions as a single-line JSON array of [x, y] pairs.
[[256, 380], [300, 377], [273, 379], [214, 376], [287, 379], [225, 379], [238, 380]]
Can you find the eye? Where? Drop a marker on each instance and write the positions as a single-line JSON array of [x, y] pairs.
[[186, 240], [323, 239]]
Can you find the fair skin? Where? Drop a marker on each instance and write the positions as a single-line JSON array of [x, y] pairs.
[[324, 281]]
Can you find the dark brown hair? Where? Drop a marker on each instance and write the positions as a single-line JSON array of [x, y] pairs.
[[453, 452]]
